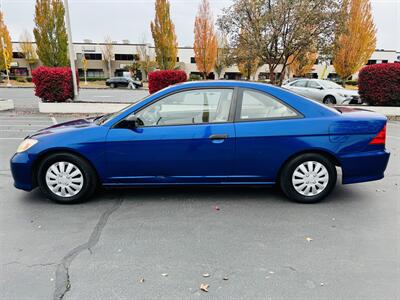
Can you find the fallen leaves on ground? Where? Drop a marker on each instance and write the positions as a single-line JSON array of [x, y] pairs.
[[204, 287]]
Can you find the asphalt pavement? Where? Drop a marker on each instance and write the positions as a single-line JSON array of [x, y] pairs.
[[163, 243], [25, 99]]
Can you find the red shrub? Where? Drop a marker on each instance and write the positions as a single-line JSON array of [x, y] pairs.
[[380, 84], [53, 84], [161, 79]]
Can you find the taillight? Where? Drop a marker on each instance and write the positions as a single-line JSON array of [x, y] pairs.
[[380, 138]]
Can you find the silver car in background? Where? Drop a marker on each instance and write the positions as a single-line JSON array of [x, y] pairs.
[[324, 91]]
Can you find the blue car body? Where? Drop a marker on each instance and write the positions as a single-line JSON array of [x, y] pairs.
[[253, 152]]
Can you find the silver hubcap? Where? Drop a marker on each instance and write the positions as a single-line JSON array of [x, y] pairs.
[[64, 179], [310, 178]]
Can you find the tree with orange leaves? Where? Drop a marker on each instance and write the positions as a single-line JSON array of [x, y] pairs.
[[356, 40], [163, 31], [301, 64], [205, 40], [6, 55]]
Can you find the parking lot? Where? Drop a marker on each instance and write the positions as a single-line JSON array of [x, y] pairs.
[[163, 243]]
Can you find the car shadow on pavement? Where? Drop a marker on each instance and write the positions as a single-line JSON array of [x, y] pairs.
[[209, 194]]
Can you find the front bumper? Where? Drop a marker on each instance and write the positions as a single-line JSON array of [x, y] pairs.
[[21, 169], [364, 166]]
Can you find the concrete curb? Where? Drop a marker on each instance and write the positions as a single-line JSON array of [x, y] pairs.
[[6, 104], [81, 107]]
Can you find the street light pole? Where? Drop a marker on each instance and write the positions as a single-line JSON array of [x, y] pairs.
[[71, 49]]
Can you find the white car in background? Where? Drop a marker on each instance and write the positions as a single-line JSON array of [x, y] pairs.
[[324, 91]]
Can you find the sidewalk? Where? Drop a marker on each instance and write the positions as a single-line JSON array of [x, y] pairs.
[[90, 85]]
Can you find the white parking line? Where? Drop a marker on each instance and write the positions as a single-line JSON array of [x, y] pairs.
[[53, 120]]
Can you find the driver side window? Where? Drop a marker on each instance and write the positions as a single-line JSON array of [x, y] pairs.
[[189, 107]]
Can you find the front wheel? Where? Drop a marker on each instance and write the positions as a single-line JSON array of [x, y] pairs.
[[329, 100], [66, 178], [308, 178]]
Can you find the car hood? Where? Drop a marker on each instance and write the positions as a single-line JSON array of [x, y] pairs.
[[73, 125]]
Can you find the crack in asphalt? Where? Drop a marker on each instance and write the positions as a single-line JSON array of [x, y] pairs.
[[62, 282], [29, 266]]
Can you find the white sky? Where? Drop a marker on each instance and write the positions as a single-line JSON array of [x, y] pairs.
[[130, 19]]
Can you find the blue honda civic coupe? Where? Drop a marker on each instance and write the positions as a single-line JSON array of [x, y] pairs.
[[211, 132]]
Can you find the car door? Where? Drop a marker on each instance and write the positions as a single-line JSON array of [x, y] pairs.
[[263, 127], [299, 87], [123, 82], [315, 90], [185, 137]]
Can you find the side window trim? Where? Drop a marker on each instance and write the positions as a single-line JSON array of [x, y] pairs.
[[239, 102], [232, 111]]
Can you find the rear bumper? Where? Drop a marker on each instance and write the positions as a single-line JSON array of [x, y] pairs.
[[21, 169], [366, 166]]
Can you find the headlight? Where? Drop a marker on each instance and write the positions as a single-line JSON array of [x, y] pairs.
[[344, 95], [26, 144]]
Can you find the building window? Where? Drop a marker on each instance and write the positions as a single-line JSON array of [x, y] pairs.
[[93, 56], [129, 57], [18, 55], [177, 59], [371, 62], [19, 72], [192, 60], [91, 73]]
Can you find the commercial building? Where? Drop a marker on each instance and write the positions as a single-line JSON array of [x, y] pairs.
[[126, 53]]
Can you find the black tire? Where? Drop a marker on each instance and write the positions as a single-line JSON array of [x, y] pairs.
[[90, 181], [329, 100], [112, 85], [287, 185]]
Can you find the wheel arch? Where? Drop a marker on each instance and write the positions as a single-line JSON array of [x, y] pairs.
[[44, 154], [322, 152]]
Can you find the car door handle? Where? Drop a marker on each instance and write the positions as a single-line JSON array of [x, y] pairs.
[[218, 137]]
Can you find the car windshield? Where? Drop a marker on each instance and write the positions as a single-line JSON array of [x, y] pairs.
[[330, 85], [105, 118]]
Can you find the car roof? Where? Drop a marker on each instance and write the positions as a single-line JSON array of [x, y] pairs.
[[224, 83]]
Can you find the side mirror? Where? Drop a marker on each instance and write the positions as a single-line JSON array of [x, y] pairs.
[[134, 121], [320, 88]]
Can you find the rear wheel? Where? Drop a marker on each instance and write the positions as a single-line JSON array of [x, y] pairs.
[[66, 178], [112, 85], [308, 178]]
